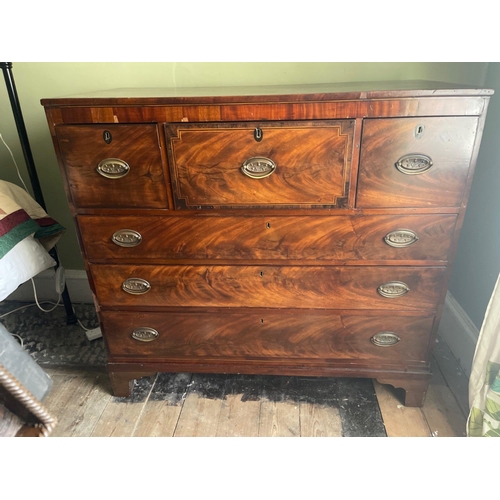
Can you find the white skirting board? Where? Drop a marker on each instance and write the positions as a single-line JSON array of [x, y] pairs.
[[459, 333], [456, 328], [76, 281]]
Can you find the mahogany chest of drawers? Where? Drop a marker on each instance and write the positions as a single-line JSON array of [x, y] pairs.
[[296, 231]]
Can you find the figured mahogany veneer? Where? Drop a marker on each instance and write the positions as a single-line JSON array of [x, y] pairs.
[[307, 336], [307, 287], [449, 142], [84, 147], [312, 161], [249, 238], [296, 231]]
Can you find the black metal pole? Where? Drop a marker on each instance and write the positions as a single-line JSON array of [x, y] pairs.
[[30, 164]]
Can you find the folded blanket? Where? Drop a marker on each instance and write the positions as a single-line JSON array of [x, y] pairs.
[[27, 233], [21, 216]]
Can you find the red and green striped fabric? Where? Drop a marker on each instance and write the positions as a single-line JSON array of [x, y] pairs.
[[20, 217]]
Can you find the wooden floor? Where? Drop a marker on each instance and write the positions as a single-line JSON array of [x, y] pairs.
[[83, 405]]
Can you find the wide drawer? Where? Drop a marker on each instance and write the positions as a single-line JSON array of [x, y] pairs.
[[301, 335], [391, 238], [271, 164], [308, 287], [116, 166], [415, 162]]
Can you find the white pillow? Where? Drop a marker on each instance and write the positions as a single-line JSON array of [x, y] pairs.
[[27, 259]]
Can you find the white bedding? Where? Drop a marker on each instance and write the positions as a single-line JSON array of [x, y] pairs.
[[26, 235]]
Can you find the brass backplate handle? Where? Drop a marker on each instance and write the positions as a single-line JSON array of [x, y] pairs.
[[126, 238], [414, 164], [385, 339], [145, 334], [136, 286], [113, 168], [401, 238], [258, 167], [393, 289]]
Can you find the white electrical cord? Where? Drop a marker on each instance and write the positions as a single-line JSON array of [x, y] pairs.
[[24, 307], [27, 305], [14, 160], [38, 304], [55, 304], [20, 338], [83, 328]]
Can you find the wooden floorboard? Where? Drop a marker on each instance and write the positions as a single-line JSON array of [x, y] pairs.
[[319, 421], [161, 413], [121, 415], [240, 411], [279, 410], [441, 410], [279, 419], [200, 412], [10, 424], [399, 420], [455, 377], [77, 400]]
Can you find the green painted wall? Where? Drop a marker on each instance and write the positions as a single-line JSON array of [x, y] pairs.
[[477, 263], [41, 80]]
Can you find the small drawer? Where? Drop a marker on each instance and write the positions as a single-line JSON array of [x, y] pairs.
[[415, 162], [325, 238], [113, 166], [271, 164], [307, 336], [307, 287]]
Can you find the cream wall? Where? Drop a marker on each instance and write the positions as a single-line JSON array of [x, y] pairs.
[[35, 81]]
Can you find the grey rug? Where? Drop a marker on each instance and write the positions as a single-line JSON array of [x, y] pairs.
[[49, 340]]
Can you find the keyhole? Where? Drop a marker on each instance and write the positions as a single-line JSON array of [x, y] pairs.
[[261, 274], [262, 321], [268, 225], [257, 133], [106, 135], [419, 131]]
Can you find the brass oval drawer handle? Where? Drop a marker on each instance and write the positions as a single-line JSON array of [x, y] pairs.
[[393, 289], [385, 339], [401, 238], [136, 286], [113, 168], [145, 334], [414, 164], [126, 238], [258, 167]]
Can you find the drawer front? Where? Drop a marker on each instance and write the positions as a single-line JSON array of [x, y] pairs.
[[294, 164], [415, 162], [300, 335], [387, 288], [113, 166], [425, 237]]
